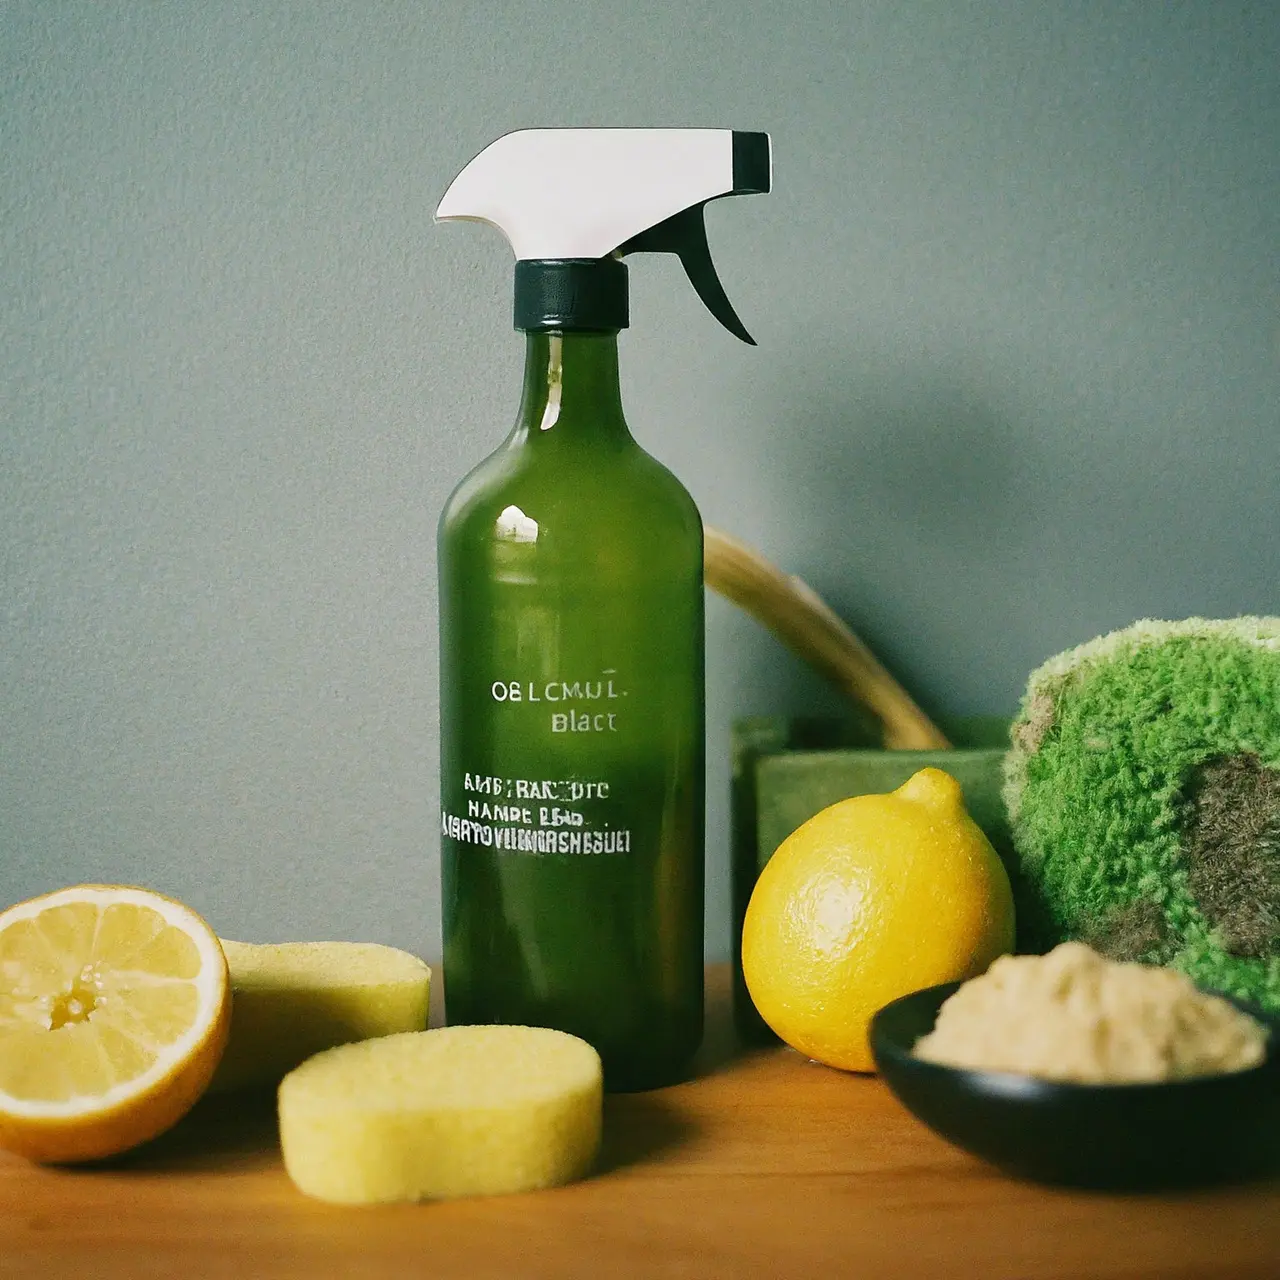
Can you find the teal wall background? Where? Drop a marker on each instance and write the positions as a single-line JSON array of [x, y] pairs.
[[1017, 294]]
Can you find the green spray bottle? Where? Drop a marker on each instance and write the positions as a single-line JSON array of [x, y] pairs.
[[571, 620]]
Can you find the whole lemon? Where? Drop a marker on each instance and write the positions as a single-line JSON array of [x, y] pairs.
[[872, 898]]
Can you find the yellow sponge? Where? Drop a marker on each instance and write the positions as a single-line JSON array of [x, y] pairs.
[[292, 999], [473, 1110]]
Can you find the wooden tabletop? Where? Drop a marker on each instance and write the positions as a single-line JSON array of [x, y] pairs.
[[765, 1165]]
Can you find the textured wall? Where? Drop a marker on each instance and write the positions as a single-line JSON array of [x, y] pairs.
[[1019, 312]]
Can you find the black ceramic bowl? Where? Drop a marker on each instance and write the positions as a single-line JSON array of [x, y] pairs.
[[1132, 1136]]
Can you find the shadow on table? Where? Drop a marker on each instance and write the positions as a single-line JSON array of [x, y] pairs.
[[638, 1128], [237, 1132], [222, 1134]]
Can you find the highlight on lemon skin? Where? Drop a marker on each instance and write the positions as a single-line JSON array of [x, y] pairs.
[[874, 897], [114, 1010]]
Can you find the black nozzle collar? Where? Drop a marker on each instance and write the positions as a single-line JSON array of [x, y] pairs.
[[571, 294]]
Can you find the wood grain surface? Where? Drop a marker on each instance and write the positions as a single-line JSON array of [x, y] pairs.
[[763, 1165]]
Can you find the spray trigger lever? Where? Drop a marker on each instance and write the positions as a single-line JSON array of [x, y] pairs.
[[685, 235]]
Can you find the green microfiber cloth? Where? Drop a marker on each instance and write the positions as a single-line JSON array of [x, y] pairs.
[[1143, 790]]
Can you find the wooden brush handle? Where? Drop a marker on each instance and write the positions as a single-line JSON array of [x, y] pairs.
[[802, 620]]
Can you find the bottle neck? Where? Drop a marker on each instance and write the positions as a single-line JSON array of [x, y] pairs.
[[571, 388]]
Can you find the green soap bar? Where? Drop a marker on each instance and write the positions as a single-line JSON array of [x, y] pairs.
[[791, 788]]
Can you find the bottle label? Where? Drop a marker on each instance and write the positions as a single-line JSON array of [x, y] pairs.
[[564, 700], [537, 815]]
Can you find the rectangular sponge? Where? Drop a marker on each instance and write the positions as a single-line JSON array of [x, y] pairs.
[[293, 999]]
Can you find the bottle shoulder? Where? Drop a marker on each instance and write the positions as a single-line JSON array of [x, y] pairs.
[[568, 496], [476, 491]]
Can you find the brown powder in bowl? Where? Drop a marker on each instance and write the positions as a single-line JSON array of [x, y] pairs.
[[1073, 1015]]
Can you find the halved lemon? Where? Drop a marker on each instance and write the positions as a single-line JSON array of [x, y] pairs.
[[114, 1009]]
